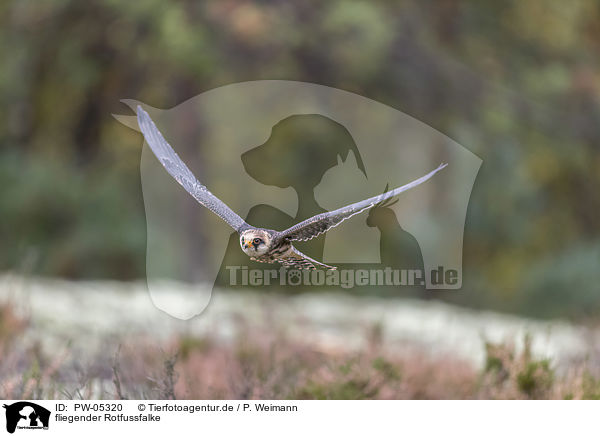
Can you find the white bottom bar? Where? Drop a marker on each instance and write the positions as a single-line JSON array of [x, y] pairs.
[[308, 417]]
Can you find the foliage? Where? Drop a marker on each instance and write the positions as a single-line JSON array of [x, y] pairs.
[[516, 375], [259, 364]]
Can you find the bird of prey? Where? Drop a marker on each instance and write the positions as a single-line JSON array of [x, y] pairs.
[[262, 245]]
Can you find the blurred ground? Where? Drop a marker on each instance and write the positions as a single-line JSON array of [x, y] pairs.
[[81, 326]]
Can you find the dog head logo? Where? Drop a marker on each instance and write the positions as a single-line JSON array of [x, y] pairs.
[[26, 415]]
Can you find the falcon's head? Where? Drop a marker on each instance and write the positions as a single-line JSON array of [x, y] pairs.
[[255, 242]]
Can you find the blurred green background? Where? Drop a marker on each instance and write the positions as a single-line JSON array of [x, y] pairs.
[[516, 82]]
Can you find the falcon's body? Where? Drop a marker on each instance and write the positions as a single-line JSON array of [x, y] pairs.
[[262, 245], [268, 246]]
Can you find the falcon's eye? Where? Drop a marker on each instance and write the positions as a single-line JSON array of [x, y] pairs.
[[257, 241]]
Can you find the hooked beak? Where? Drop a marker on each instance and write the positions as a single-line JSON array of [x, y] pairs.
[[248, 244]]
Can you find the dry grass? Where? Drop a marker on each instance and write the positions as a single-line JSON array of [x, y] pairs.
[[263, 365]]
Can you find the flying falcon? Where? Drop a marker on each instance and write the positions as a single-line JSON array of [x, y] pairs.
[[262, 245]]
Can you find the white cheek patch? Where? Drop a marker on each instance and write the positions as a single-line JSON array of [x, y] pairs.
[[261, 249]]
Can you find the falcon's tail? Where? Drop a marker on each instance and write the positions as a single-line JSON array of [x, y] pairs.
[[297, 259]]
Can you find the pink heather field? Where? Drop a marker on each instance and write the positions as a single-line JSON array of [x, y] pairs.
[[115, 344]]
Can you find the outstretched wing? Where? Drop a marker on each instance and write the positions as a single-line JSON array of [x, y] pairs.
[[321, 223], [180, 172], [297, 259]]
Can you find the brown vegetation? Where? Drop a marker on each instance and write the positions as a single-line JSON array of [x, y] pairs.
[[261, 365]]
